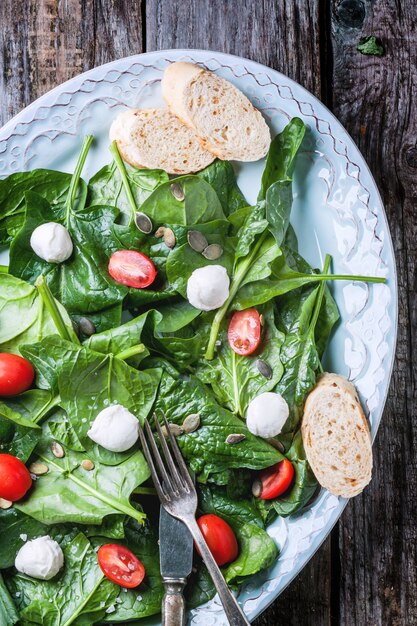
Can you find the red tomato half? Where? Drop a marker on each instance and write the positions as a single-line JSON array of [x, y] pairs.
[[120, 565], [220, 538], [132, 268], [16, 374], [15, 479], [244, 332], [276, 480]]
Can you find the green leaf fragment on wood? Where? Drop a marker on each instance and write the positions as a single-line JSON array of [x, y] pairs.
[[371, 46]]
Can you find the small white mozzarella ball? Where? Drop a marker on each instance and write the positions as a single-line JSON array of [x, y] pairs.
[[267, 414], [208, 287], [115, 429], [51, 242], [41, 558]]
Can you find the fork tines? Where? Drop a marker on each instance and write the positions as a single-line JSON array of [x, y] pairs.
[[170, 477]]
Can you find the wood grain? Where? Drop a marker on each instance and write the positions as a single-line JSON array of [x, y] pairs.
[[366, 575], [375, 100]]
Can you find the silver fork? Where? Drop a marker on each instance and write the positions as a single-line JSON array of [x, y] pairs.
[[178, 496]]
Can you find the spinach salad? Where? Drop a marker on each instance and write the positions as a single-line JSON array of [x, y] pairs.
[[95, 342]]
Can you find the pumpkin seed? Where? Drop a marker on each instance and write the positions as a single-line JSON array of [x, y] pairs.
[[57, 450], [38, 468], [169, 238], [276, 444], [213, 252], [191, 423], [235, 438], [177, 191], [159, 232], [261, 319], [257, 488], [143, 223], [87, 465], [196, 240], [176, 430], [86, 326], [5, 504], [264, 368]]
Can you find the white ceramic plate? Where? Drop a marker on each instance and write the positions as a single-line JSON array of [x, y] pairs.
[[337, 209]]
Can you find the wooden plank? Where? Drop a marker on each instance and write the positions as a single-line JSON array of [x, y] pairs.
[[53, 41], [375, 99], [284, 36]]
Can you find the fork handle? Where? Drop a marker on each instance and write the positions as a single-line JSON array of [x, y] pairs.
[[234, 613], [173, 603]]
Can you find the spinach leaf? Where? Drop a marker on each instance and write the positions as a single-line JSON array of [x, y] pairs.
[[19, 432], [236, 379], [23, 315], [281, 155], [80, 595], [102, 320], [146, 599], [257, 551], [19, 528], [200, 203], [371, 45], [82, 284], [69, 493], [216, 499], [106, 187], [52, 186], [200, 588], [8, 613], [305, 483], [90, 382], [220, 175], [206, 450]]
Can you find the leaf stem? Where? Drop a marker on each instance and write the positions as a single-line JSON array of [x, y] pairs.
[[123, 174], [145, 491], [46, 408], [125, 354], [72, 192], [4, 269], [240, 273], [53, 310]]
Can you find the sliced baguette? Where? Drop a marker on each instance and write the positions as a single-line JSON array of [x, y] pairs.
[[155, 138], [226, 122], [336, 437]]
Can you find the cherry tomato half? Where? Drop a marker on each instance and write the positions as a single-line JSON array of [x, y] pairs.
[[15, 479], [244, 332], [220, 538], [120, 565], [276, 480], [16, 374], [132, 268]]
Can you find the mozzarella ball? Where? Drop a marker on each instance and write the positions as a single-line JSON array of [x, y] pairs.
[[267, 414], [41, 558], [52, 242], [115, 429], [208, 287]]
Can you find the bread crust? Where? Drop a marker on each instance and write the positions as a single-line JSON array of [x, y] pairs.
[[336, 436]]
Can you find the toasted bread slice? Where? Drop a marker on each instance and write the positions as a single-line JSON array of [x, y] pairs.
[[336, 437], [226, 122], [155, 138]]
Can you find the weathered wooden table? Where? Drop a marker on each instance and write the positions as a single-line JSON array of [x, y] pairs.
[[366, 573]]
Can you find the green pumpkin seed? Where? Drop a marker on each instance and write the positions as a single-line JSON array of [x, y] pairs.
[[235, 438], [177, 191], [213, 252], [191, 423], [38, 468], [143, 223], [196, 240], [57, 450], [264, 369], [86, 326]]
